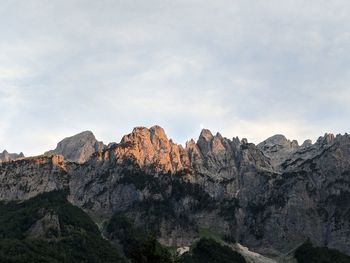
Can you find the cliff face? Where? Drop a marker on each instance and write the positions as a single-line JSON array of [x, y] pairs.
[[269, 197], [28, 177], [307, 197], [278, 148]]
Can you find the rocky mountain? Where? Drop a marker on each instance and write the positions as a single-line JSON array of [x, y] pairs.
[[269, 197], [6, 157], [77, 148], [151, 148], [278, 148]]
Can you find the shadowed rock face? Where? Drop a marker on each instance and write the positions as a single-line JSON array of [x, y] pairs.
[[270, 197], [278, 148], [78, 148], [6, 157]]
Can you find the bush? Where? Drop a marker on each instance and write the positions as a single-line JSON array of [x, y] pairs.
[[210, 251], [137, 244], [307, 253], [78, 240]]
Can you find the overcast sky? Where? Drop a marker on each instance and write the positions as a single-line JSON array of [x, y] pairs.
[[244, 68]]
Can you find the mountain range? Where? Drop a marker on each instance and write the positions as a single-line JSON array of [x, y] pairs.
[[272, 197]]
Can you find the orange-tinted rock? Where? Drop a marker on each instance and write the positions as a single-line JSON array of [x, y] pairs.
[[152, 148]]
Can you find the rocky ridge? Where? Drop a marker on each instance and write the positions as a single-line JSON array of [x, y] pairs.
[[278, 148], [270, 197], [77, 148], [7, 157]]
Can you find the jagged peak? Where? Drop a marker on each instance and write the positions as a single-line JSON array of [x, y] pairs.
[[294, 144], [329, 137], [82, 137], [158, 131], [326, 139], [244, 141], [279, 139], [141, 131], [154, 128], [276, 139], [6, 156], [77, 148], [157, 128], [86, 134], [190, 144], [150, 148], [218, 135], [307, 143], [206, 134]]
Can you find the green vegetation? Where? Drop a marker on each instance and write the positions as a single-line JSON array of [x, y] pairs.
[[137, 244], [210, 251], [142, 247], [307, 253], [73, 237], [209, 234]]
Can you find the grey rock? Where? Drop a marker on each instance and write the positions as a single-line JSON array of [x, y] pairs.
[[278, 148], [7, 157], [26, 178], [78, 148], [306, 143]]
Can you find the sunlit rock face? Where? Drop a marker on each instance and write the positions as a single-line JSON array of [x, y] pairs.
[[78, 148], [269, 197], [152, 148]]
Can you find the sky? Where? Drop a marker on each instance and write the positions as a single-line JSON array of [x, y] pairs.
[[246, 68]]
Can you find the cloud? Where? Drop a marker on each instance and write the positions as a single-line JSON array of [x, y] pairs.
[[244, 68]]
